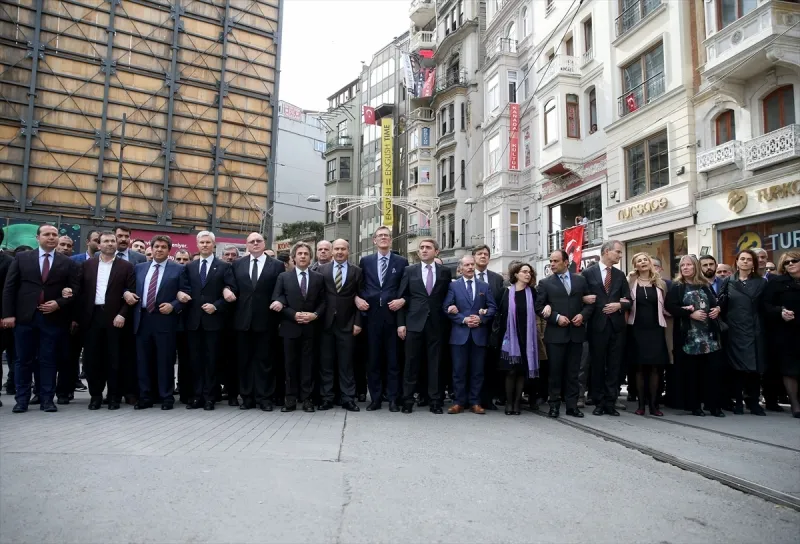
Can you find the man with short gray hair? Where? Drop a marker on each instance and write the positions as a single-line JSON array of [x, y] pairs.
[[324, 254]]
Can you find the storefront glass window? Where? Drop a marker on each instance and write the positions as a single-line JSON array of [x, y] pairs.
[[776, 237], [668, 248]]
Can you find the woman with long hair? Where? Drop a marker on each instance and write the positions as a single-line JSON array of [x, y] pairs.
[[741, 301], [696, 343], [517, 333], [782, 304], [647, 340]]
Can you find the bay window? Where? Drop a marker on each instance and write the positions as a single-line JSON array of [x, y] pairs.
[[647, 165]]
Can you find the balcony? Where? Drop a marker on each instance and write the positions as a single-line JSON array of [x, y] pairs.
[[452, 79], [421, 12], [587, 57], [722, 155], [503, 46], [422, 114], [338, 142], [773, 148], [561, 65], [592, 236], [641, 95], [424, 39], [414, 231], [745, 47], [506, 180], [633, 15]]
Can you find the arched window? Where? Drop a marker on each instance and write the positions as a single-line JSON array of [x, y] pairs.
[[779, 108], [725, 127], [592, 111], [511, 32], [511, 38], [550, 123], [524, 19]]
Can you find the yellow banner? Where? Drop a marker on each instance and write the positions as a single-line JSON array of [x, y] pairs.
[[387, 160]]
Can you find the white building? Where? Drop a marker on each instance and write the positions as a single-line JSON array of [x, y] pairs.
[[748, 127]]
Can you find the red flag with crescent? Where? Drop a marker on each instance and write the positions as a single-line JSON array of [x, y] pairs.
[[369, 115], [573, 245]]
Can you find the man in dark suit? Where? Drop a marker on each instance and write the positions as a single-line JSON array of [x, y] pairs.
[[92, 246], [607, 286], [341, 326], [130, 380], [34, 306], [255, 277], [301, 296], [123, 246], [205, 319], [155, 321], [380, 299], [422, 322], [102, 317], [5, 264], [563, 291], [471, 307], [492, 386]]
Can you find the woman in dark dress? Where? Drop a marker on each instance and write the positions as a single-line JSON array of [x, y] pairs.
[[782, 306], [647, 340]]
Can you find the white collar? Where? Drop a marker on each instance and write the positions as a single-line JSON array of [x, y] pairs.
[[208, 259], [260, 259], [43, 252], [164, 263]]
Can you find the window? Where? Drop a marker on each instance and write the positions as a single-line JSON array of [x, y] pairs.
[[443, 231], [447, 25], [329, 213], [647, 165], [451, 223], [451, 114], [452, 172], [344, 168], [569, 48], [513, 221], [524, 17], [413, 140], [526, 213], [512, 86], [413, 222], [443, 175], [725, 127], [443, 119], [550, 6], [587, 35], [494, 231], [523, 88], [573, 116], [319, 146], [511, 35], [463, 233], [463, 116], [592, 111], [779, 109], [494, 92], [550, 123], [463, 174], [331, 170], [413, 178], [342, 129], [730, 10], [643, 80], [494, 153], [460, 12]]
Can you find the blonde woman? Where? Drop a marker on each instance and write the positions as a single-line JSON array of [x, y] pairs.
[[647, 341]]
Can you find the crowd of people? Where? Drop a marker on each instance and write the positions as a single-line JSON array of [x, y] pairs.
[[315, 331]]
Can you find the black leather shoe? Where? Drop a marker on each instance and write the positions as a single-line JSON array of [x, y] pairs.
[[19, 409], [95, 403], [373, 406], [194, 405], [598, 411], [327, 405], [142, 405], [48, 407], [612, 411], [243, 406], [436, 409], [35, 399], [265, 406], [407, 408], [62, 401], [113, 405], [393, 407], [362, 398], [553, 413], [208, 406], [350, 406], [167, 406], [308, 406], [289, 408], [574, 412], [80, 386]]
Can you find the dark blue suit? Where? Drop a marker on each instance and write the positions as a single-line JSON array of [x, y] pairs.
[[381, 323], [80, 258], [155, 332], [468, 345]]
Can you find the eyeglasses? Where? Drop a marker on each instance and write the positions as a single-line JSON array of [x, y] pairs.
[[771, 268], [791, 261]]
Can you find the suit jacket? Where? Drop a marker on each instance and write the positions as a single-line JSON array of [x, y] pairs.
[[552, 291], [287, 292], [619, 289], [340, 308], [173, 279], [218, 276], [24, 285], [496, 283], [379, 296], [5, 264], [122, 279], [81, 258], [484, 299], [134, 257], [421, 307], [252, 305]]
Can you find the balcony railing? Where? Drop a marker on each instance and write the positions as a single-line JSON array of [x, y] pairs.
[[772, 148], [587, 57], [452, 79], [592, 236], [560, 65], [421, 10], [641, 95], [634, 14], [503, 45], [422, 114], [424, 39], [414, 231], [337, 142], [722, 155]]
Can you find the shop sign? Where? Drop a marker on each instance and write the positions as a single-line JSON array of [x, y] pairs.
[[737, 200], [643, 208], [785, 240], [782, 190]]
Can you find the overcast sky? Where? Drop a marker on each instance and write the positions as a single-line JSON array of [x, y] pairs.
[[324, 42]]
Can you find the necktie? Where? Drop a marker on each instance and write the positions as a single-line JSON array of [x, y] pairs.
[[254, 273], [303, 284], [45, 273], [565, 281], [338, 279], [483, 276], [384, 267], [429, 280], [469, 288], [151, 291], [607, 281], [121, 255], [203, 272]]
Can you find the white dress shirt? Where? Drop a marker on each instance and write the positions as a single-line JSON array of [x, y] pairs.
[[260, 260], [103, 274], [149, 276], [42, 253], [344, 272]]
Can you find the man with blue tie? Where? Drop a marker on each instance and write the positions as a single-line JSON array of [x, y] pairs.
[[155, 322], [471, 307], [123, 246], [379, 298]]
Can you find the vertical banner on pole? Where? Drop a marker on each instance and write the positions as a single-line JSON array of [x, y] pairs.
[[387, 165], [513, 137], [573, 245]]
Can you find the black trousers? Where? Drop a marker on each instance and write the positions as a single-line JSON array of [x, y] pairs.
[[128, 359], [256, 378], [155, 347], [493, 386], [228, 363], [565, 364], [298, 354], [204, 350], [102, 357], [338, 349], [68, 363], [605, 349], [701, 374], [418, 344], [360, 362], [186, 377]]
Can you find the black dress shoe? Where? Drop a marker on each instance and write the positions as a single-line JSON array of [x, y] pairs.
[[233, 402], [308, 406], [167, 406], [209, 405], [95, 403], [574, 412], [350, 406], [265, 406], [62, 400], [436, 409], [393, 407], [407, 408], [113, 405], [194, 405], [362, 398], [289, 408], [19, 409], [612, 411], [143, 405], [327, 405], [373, 406], [598, 411], [553, 413], [243, 406], [79, 386], [48, 406], [105, 400], [35, 399]]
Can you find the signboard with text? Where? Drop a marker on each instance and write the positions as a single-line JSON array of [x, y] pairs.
[[387, 166], [513, 137]]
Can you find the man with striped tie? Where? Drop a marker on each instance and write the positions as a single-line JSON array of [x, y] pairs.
[[341, 325]]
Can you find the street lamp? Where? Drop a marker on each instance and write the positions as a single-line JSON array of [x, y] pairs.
[[312, 198]]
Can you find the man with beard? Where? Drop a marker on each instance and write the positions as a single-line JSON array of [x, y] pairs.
[[92, 244], [708, 266]]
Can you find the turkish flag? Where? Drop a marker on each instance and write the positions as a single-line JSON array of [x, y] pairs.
[[426, 53], [573, 245], [369, 115], [631, 101]]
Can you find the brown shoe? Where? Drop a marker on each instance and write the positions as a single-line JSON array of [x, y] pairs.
[[455, 409], [477, 409]]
